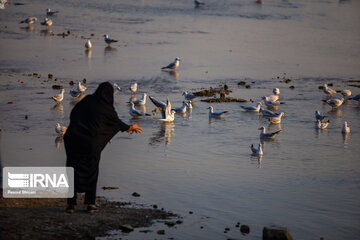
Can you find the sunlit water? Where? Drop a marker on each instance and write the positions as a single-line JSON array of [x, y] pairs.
[[307, 180]]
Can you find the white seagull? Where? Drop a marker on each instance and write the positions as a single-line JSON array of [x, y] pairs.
[[268, 113], [167, 114], [270, 103], [276, 91], [335, 103], [273, 98], [88, 44], [257, 151], [252, 108], [321, 125], [81, 87], [51, 13], [276, 119], [181, 109], [189, 96], [59, 97], [318, 116], [47, 22], [264, 134], [215, 114], [61, 130], [346, 93], [328, 90], [29, 20], [141, 101], [133, 88], [116, 88], [345, 128], [136, 113], [174, 65], [75, 93], [109, 40]]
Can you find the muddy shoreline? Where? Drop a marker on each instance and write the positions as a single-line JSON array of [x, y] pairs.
[[46, 218]]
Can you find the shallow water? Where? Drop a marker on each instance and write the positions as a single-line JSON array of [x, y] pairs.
[[307, 180]]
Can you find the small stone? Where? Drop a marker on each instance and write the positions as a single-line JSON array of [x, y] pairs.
[[227, 229], [330, 84], [26, 117], [179, 221], [248, 86], [292, 87], [126, 228], [57, 86], [170, 224], [161, 232], [50, 76], [190, 212], [68, 32], [241, 83], [201, 227], [92, 34], [84, 80], [135, 194], [145, 231], [35, 74], [287, 80], [276, 233], [226, 87], [155, 206], [245, 229], [71, 83]]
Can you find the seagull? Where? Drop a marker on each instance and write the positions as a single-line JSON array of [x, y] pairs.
[[189, 104], [198, 3], [276, 91], [141, 101], [252, 108], [345, 128], [356, 98], [168, 115], [321, 125], [181, 109], [318, 116], [268, 113], [88, 44], [335, 103], [189, 96], [215, 114], [346, 92], [136, 113], [270, 103], [328, 90], [81, 87], [109, 40], [51, 13], [47, 22], [75, 93], [116, 88], [273, 98], [133, 88], [29, 20], [264, 134], [59, 97], [174, 65], [257, 151], [276, 119], [61, 130]]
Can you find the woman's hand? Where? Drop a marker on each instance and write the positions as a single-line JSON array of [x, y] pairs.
[[134, 128]]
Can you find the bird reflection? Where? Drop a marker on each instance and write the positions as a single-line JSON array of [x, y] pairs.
[[88, 53], [59, 108], [258, 158], [345, 138], [166, 131], [132, 98], [109, 49], [335, 111], [58, 141], [77, 99], [173, 74], [28, 28], [46, 32]]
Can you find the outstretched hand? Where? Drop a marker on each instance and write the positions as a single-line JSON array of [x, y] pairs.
[[134, 128]]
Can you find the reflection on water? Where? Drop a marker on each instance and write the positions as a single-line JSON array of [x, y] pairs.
[[46, 32], [132, 98], [345, 137], [58, 141], [28, 28], [59, 108], [173, 74], [77, 99], [335, 111], [254, 157], [88, 53], [109, 50], [165, 132]]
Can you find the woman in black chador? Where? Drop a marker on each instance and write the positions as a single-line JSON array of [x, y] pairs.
[[93, 123]]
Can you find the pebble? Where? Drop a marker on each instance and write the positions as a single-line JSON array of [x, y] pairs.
[[170, 224], [71, 83], [126, 228], [26, 117], [161, 232], [11, 102], [135, 194], [241, 83], [155, 206], [287, 80], [179, 221], [190, 212], [50, 76], [292, 87], [57, 86], [245, 229], [248, 86]]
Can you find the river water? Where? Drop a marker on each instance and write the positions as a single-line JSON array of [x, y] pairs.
[[307, 180]]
